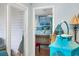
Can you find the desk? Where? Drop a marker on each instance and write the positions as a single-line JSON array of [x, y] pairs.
[[40, 40], [39, 43]]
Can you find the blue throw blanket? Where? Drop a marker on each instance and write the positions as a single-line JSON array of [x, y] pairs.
[[3, 53]]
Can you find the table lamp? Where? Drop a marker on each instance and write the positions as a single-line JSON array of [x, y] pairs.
[[75, 24]]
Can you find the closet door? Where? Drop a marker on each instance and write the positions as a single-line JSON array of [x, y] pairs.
[[17, 31]]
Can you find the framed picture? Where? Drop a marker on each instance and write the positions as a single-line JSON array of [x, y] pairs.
[[44, 25], [44, 20]]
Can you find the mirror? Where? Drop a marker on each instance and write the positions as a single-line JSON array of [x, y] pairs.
[[43, 30], [17, 31]]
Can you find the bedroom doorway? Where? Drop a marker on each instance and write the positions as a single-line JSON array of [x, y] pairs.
[[43, 28]]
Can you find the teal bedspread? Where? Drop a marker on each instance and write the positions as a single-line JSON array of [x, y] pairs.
[[3, 53]]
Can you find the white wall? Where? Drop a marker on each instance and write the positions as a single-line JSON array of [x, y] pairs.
[[2, 21], [61, 12]]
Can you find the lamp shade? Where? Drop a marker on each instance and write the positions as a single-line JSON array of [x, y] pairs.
[[75, 20]]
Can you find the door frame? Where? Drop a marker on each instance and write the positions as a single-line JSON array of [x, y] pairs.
[[25, 9], [43, 7]]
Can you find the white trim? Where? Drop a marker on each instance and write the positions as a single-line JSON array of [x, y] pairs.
[[8, 32], [53, 12], [26, 32], [34, 31], [44, 7]]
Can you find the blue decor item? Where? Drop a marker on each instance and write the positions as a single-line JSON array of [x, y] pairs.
[[59, 29], [3, 53], [2, 43], [64, 45]]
